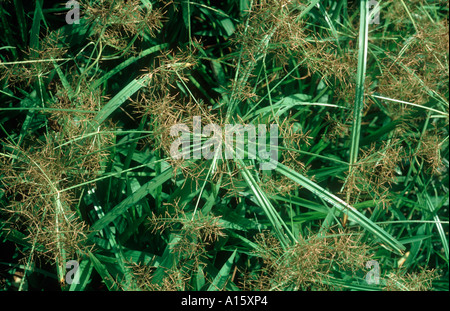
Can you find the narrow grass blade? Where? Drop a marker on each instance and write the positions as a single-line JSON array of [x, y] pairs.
[[127, 283], [130, 201], [361, 76], [85, 271], [21, 19], [331, 26], [444, 113], [63, 79], [120, 98], [342, 206], [103, 272], [223, 275], [169, 259], [35, 28], [127, 63], [439, 227], [281, 229]]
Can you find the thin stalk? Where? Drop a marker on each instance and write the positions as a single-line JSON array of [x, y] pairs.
[[359, 96]]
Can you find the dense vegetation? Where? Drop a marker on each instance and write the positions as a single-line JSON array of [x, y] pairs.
[[86, 171]]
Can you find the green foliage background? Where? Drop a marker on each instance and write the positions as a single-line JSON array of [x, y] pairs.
[[85, 167]]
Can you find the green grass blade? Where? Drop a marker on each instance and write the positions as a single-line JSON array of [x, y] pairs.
[[440, 229], [103, 272], [169, 259], [282, 231], [130, 201], [21, 19], [342, 206], [64, 81], [361, 76], [35, 28], [223, 275], [120, 98], [85, 271], [127, 63]]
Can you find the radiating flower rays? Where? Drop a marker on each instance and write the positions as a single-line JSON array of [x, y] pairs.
[[220, 142]]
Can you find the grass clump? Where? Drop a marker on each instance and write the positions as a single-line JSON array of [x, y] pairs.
[[309, 264], [86, 165]]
